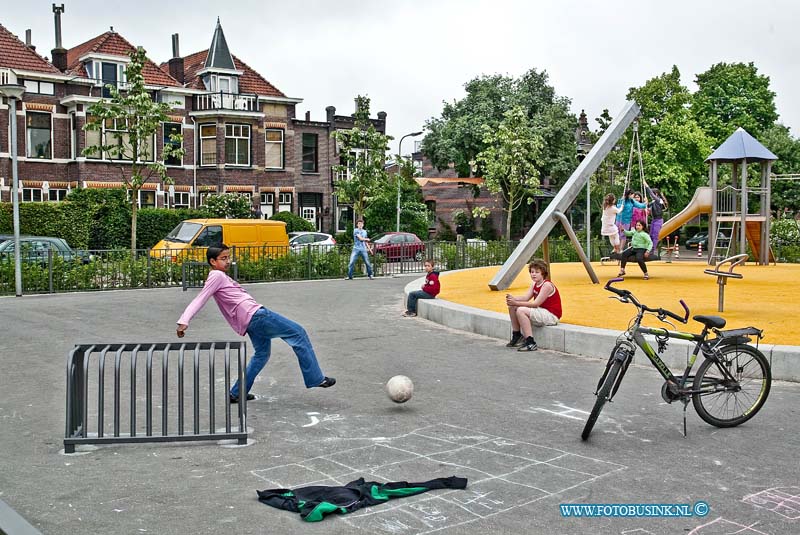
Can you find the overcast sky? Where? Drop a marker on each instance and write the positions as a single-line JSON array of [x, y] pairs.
[[410, 56]]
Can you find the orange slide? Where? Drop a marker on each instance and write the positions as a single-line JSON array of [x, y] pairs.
[[700, 204]]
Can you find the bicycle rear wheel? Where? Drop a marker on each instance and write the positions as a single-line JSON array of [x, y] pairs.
[[602, 397], [725, 403]]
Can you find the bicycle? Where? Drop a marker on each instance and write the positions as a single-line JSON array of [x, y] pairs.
[[731, 385]]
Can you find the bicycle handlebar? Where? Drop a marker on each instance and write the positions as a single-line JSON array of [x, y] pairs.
[[662, 313]]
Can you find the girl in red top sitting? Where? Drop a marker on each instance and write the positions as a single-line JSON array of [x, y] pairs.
[[545, 309], [429, 290]]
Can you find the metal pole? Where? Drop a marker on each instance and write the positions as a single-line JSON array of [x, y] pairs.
[[12, 119], [399, 178], [588, 219]]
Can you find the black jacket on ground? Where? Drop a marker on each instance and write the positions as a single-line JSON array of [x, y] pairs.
[[314, 502]]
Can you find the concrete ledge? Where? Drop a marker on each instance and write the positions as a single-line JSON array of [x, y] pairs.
[[589, 342]]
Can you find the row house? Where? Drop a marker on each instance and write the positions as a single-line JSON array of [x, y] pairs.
[[240, 132]]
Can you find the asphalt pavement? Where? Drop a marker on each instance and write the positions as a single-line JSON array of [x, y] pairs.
[[510, 422]]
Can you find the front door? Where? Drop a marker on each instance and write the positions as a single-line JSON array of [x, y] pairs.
[[309, 213]]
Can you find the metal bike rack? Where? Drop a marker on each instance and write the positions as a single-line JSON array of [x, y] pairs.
[[86, 407], [723, 276]]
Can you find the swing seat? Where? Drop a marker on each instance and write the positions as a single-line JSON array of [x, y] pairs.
[[623, 254]]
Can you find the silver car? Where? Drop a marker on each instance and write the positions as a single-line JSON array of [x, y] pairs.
[[319, 241]]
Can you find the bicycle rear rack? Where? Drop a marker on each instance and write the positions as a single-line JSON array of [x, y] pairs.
[[86, 358]]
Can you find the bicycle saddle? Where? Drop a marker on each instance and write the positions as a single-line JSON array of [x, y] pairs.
[[712, 322]]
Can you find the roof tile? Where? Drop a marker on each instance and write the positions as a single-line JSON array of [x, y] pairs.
[[15, 54], [249, 82]]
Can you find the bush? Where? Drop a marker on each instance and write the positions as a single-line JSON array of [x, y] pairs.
[[228, 206], [64, 220], [294, 223], [111, 212]]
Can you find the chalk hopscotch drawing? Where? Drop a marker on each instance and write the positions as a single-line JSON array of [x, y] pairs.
[[326, 418], [503, 474], [721, 526], [784, 501], [637, 531]]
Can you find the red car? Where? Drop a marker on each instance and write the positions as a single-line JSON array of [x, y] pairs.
[[399, 245]]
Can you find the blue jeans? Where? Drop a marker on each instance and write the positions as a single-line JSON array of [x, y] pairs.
[[353, 257], [266, 325], [414, 296]]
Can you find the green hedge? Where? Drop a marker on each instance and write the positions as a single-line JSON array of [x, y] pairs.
[[60, 220], [294, 223]]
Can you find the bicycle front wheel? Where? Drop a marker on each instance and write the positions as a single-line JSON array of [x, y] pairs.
[[602, 397], [724, 402]]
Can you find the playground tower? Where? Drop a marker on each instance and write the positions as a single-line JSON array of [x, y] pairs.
[[740, 210]]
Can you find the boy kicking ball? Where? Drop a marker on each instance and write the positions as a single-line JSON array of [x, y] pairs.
[[245, 315]]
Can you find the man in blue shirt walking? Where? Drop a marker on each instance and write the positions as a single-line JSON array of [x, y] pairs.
[[360, 241]]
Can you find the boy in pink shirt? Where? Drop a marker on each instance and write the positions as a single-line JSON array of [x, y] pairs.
[[245, 315]]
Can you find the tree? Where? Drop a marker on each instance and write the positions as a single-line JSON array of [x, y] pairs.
[[228, 206], [511, 161], [673, 145], [785, 193], [135, 119], [363, 155], [732, 95], [458, 135]]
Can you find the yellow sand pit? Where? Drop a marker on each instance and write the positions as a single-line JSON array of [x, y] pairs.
[[767, 297]]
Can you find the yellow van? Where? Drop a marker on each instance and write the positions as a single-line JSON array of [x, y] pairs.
[[250, 237]]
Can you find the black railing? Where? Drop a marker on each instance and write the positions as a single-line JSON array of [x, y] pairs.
[[118, 269], [226, 101]]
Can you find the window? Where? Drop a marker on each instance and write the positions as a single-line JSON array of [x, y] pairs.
[[172, 129], [309, 153], [58, 194], [39, 135], [116, 135], [267, 205], [180, 200], [106, 73], [208, 144], [43, 88], [147, 199], [73, 136], [237, 144], [345, 215], [31, 195], [274, 149], [284, 202], [93, 138], [208, 237]]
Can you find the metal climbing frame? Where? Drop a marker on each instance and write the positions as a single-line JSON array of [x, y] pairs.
[[120, 392]]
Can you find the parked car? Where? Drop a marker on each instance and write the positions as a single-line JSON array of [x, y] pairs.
[[697, 239], [319, 240], [399, 245], [35, 249], [701, 238]]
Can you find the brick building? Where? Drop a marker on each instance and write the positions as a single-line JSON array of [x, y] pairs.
[[240, 132]]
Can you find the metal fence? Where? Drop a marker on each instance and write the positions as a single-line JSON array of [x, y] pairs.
[[119, 269], [130, 386]]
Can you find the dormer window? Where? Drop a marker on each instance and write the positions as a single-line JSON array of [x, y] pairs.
[[106, 73], [223, 84]]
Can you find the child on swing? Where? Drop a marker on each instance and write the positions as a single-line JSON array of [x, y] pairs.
[[641, 243], [608, 221]]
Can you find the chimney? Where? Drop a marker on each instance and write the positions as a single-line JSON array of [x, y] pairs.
[[308, 116], [330, 111], [59, 52], [28, 40], [176, 62]]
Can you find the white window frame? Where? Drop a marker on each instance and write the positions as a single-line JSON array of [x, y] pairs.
[[268, 143], [184, 202], [316, 153], [166, 140], [231, 130], [57, 194], [41, 88], [146, 191], [30, 194], [285, 201], [28, 135], [267, 204], [73, 136], [206, 138]]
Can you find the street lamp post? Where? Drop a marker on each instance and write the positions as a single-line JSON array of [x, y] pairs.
[[399, 176], [14, 92]]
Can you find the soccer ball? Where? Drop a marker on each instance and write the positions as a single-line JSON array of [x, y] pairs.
[[400, 388]]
